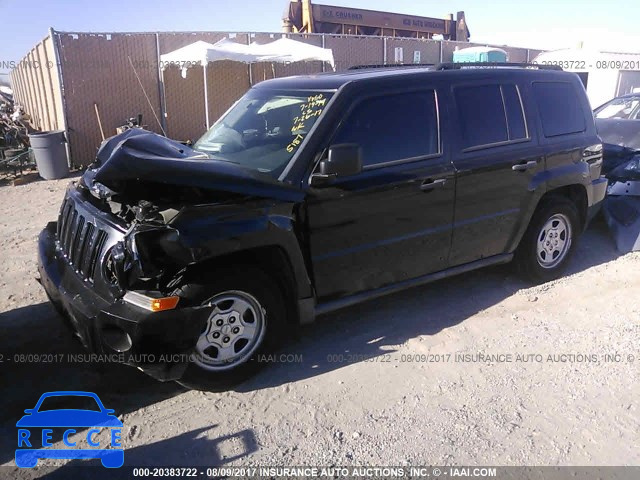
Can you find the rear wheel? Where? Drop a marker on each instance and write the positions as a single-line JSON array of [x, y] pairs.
[[247, 318], [550, 240]]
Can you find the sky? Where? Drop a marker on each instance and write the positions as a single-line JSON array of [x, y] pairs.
[[611, 25]]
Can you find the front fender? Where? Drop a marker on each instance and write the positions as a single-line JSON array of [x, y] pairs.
[[206, 232]]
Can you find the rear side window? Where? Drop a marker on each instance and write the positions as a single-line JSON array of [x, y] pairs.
[[559, 107], [490, 114], [482, 117], [393, 127]]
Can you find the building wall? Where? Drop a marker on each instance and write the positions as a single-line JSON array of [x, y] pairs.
[[121, 74]]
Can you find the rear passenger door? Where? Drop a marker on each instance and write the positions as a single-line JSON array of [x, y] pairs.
[[495, 160], [392, 221]]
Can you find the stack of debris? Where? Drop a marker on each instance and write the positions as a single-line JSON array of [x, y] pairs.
[[15, 154]]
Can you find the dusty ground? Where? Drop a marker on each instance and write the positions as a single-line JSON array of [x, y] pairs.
[[373, 405]]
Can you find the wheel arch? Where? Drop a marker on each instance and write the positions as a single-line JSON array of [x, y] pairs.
[[567, 199], [577, 193], [271, 259]]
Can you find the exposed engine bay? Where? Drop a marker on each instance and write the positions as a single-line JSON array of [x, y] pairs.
[[144, 183]]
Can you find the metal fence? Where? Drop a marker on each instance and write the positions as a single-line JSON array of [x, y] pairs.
[[69, 80], [36, 86]]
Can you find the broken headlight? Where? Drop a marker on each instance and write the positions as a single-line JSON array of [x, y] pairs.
[[151, 250]]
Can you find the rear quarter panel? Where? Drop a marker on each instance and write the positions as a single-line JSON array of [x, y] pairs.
[[564, 156]]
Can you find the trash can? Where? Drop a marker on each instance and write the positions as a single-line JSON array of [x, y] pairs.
[[50, 153]]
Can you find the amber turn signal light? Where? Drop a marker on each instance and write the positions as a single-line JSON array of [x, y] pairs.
[[165, 303], [150, 303]]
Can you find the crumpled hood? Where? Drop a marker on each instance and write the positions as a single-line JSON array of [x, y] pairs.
[[138, 155], [625, 133]]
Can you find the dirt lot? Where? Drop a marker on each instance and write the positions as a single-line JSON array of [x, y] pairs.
[[384, 383]]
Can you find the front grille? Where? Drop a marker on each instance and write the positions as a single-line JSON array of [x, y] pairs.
[[81, 241]]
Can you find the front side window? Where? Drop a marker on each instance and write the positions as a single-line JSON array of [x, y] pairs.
[[393, 127], [264, 129]]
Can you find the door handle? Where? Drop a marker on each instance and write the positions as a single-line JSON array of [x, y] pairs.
[[429, 184], [521, 167]]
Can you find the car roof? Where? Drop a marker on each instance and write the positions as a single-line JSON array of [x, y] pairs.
[[334, 80]]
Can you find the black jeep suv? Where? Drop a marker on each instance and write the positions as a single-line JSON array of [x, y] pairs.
[[313, 193]]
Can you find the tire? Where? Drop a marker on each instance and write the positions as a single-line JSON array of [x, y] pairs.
[[248, 319], [550, 240]]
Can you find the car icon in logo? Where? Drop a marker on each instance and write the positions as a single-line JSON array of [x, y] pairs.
[[34, 445]]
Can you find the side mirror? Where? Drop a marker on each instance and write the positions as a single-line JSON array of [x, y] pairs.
[[29, 411], [343, 160]]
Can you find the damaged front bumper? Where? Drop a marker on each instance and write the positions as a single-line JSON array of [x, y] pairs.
[[622, 213], [158, 343], [622, 206]]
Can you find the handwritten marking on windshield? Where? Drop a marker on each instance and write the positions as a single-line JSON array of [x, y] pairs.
[[294, 143], [312, 108]]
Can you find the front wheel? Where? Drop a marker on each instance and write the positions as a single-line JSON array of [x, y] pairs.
[[247, 318], [550, 240]]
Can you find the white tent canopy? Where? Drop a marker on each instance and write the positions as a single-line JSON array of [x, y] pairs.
[[195, 53], [283, 50]]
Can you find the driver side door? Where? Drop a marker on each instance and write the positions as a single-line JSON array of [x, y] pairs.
[[392, 221]]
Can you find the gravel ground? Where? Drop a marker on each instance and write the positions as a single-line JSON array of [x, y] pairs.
[[397, 381]]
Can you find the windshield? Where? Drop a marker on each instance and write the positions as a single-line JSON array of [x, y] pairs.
[[264, 129], [627, 108]]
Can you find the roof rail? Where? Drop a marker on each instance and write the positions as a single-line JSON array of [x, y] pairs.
[[391, 65], [455, 66]]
